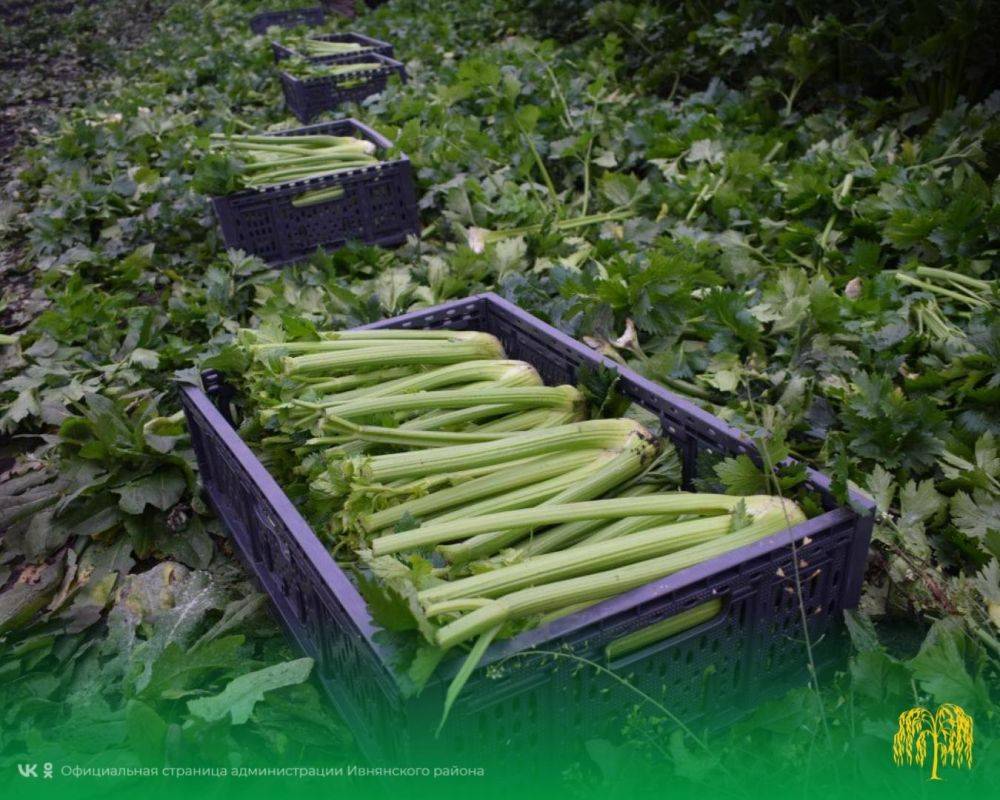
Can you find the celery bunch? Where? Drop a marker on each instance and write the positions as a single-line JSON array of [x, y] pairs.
[[271, 160], [482, 497]]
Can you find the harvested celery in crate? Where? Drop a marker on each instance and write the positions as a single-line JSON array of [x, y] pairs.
[[315, 187], [455, 478], [328, 46]]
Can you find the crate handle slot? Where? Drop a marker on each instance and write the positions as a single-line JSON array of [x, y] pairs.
[[663, 629], [316, 197]]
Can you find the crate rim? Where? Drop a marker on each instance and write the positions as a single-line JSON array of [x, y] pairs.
[[355, 605], [382, 142]]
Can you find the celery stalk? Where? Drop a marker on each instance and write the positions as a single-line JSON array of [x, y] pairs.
[[674, 503], [584, 560], [494, 483], [772, 515], [519, 396], [563, 535], [386, 355], [600, 434], [634, 457]]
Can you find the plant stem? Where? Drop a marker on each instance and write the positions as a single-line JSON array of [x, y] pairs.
[[591, 434], [674, 503], [492, 484], [634, 457], [601, 585], [583, 560]]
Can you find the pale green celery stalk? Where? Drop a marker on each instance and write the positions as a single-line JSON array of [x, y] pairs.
[[975, 284], [533, 420], [616, 508], [423, 433], [313, 165], [569, 532], [318, 196], [320, 158], [626, 526], [307, 410], [297, 348], [316, 165], [770, 515], [550, 567], [346, 387], [961, 296], [276, 172], [518, 396], [347, 384], [664, 629], [275, 169], [430, 421], [271, 151], [431, 482], [281, 150], [382, 335], [441, 420], [388, 355], [323, 47], [311, 140], [315, 409], [488, 485], [602, 434], [270, 178], [504, 372], [419, 488], [406, 438], [348, 69], [559, 613], [532, 494], [465, 672], [496, 482], [633, 458]]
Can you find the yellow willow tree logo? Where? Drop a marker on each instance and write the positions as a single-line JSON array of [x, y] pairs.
[[948, 732]]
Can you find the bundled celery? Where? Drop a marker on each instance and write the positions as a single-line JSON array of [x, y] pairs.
[[325, 47], [304, 67], [271, 160], [769, 514], [467, 491]]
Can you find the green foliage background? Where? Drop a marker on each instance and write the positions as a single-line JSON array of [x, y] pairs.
[[784, 163]]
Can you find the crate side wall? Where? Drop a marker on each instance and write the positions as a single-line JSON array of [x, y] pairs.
[[316, 604]]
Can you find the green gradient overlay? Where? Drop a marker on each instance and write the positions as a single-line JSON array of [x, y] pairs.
[[780, 750]]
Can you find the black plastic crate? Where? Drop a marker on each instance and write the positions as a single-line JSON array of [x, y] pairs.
[[306, 98], [516, 703], [368, 44], [313, 16], [378, 206]]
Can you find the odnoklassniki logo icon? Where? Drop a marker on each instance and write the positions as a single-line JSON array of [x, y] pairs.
[[947, 732], [31, 770]]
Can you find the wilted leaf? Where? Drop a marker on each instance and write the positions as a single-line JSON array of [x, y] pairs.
[[243, 693]]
